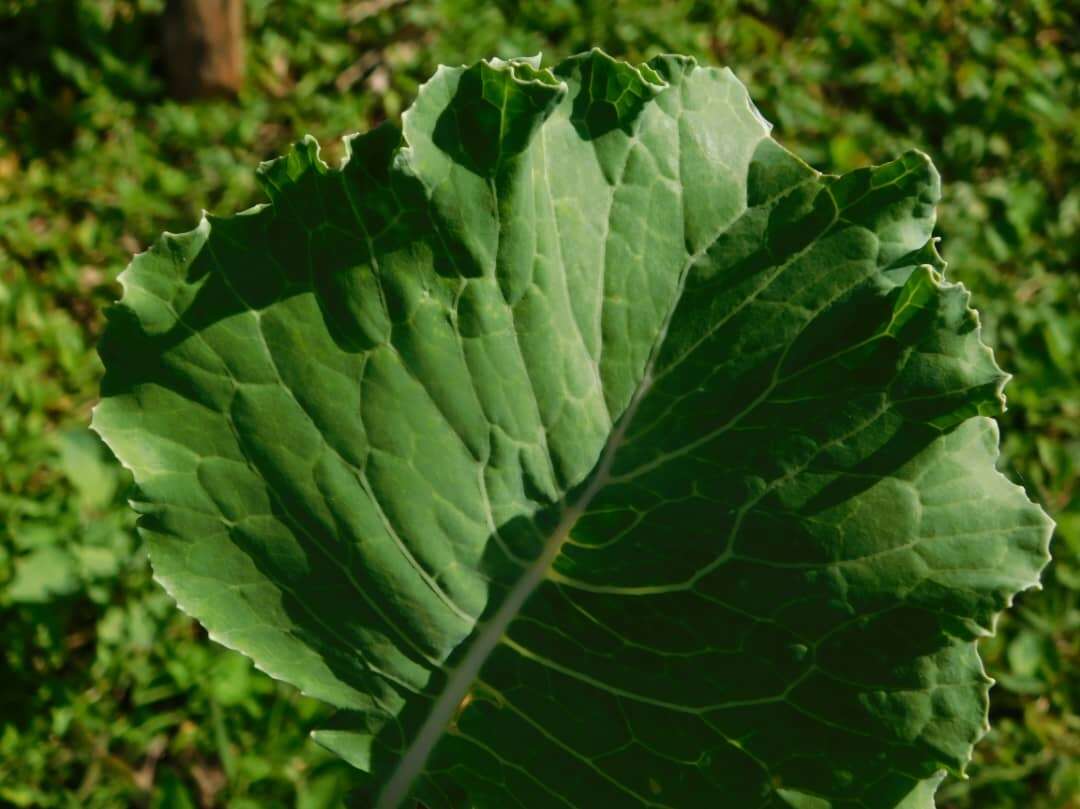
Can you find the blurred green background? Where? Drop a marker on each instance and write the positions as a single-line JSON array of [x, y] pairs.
[[109, 696]]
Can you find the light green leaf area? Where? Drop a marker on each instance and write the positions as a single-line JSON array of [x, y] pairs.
[[586, 448]]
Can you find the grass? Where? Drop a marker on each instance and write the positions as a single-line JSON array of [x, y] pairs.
[[113, 697]]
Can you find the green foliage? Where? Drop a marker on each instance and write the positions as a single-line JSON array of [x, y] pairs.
[[580, 415], [94, 160]]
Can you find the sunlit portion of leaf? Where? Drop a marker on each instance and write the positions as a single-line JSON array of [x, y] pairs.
[[586, 448]]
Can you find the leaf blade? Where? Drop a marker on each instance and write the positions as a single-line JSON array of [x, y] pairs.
[[703, 335]]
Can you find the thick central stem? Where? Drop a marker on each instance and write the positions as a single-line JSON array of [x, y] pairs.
[[461, 680]]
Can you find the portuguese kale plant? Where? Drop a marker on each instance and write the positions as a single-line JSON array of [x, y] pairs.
[[585, 448]]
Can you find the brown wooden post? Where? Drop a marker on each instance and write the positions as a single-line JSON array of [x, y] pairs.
[[204, 47]]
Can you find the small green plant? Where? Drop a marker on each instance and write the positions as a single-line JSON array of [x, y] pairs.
[[584, 447]]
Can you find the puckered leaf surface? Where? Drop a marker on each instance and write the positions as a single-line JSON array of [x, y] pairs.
[[586, 448]]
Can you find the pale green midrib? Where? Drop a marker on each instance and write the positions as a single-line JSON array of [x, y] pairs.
[[462, 678]]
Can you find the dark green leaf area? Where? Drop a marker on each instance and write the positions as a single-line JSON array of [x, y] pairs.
[[588, 343]]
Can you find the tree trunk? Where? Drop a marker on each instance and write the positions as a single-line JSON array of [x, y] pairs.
[[204, 47]]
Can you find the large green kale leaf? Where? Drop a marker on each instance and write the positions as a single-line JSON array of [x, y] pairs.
[[586, 448]]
